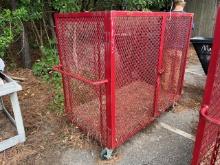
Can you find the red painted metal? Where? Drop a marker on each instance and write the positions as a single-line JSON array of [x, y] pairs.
[[185, 60], [122, 13], [206, 150], [66, 85], [115, 78], [78, 77], [204, 113], [110, 74], [148, 14], [174, 59], [159, 68]]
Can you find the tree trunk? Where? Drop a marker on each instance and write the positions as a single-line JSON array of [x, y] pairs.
[[51, 20], [26, 57], [13, 4], [204, 16]]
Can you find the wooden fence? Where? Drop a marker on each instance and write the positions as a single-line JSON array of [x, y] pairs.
[[205, 14]]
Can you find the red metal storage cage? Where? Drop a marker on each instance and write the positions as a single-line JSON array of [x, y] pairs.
[[207, 146], [121, 69]]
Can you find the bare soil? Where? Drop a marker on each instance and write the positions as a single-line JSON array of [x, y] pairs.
[[50, 132], [134, 109], [45, 129], [192, 55]]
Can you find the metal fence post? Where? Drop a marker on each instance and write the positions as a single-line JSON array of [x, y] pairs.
[[207, 99], [159, 68], [110, 76]]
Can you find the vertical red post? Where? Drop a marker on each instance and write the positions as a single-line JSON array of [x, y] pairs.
[[199, 137], [159, 68], [110, 76], [213, 62], [66, 86], [183, 68], [208, 90]]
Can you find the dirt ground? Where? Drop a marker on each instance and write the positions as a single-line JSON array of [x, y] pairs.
[[45, 129], [48, 131], [193, 58]]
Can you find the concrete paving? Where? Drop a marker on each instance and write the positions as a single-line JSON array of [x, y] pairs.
[[185, 121], [155, 145], [160, 146], [195, 76]]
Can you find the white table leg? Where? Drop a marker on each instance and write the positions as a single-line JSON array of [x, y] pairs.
[[18, 116]]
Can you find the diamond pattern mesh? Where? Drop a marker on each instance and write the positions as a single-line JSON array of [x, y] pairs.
[[135, 41], [211, 136], [81, 42], [174, 57], [207, 147]]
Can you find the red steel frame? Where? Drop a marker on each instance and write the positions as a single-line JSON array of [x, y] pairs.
[[208, 96], [159, 69], [110, 66], [110, 87]]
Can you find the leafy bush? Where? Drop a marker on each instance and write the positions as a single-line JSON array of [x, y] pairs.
[[36, 14], [44, 65], [10, 26], [43, 68], [145, 4], [66, 5]]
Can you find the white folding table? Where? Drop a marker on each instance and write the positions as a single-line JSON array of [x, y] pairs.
[[10, 88]]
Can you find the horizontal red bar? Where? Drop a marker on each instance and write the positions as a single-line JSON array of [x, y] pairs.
[[121, 13], [210, 119], [78, 77]]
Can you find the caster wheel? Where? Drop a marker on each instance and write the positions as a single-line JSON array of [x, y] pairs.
[[173, 108], [106, 154]]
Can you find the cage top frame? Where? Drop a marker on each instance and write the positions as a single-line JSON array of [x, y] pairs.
[[114, 13], [108, 19]]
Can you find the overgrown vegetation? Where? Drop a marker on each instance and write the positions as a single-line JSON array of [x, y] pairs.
[[10, 27], [30, 23], [43, 68]]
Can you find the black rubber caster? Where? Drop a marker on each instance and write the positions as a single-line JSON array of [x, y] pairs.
[[106, 154]]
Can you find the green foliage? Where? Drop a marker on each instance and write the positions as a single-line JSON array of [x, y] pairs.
[[137, 4], [130, 4], [44, 65], [43, 68], [143, 4], [66, 5], [11, 21], [36, 12], [90, 5], [10, 26], [34, 8], [31, 10]]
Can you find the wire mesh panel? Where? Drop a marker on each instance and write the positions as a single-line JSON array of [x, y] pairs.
[[207, 146], [137, 43], [176, 41], [82, 52], [112, 63]]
